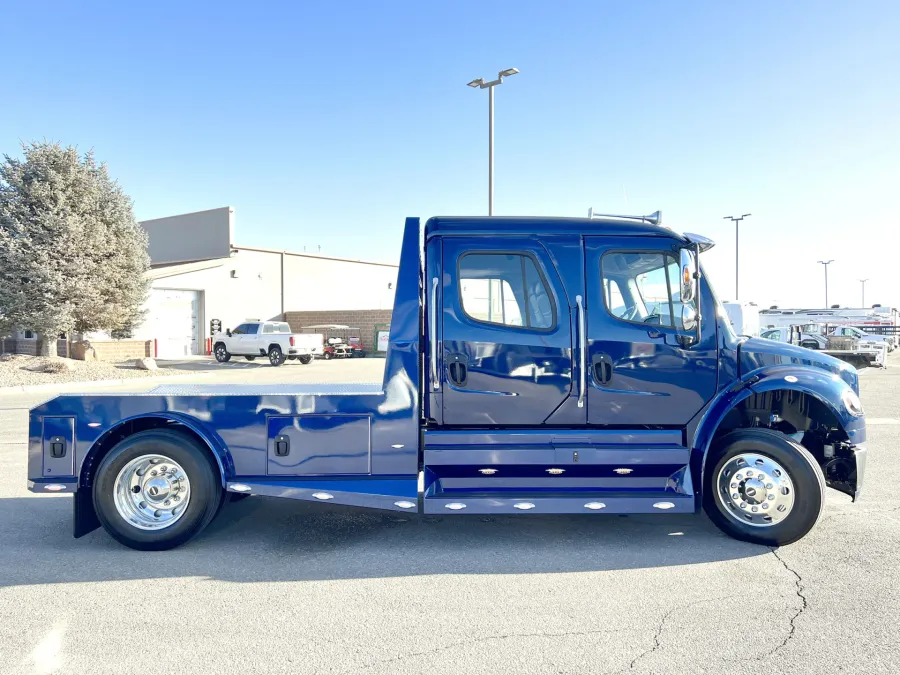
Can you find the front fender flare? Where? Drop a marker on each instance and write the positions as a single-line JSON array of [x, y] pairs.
[[821, 385]]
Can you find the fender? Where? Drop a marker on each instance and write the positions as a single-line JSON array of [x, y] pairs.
[[210, 438], [820, 384]]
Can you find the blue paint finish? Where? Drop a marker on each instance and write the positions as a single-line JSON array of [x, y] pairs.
[[653, 377], [320, 445], [58, 431], [816, 377], [382, 493], [640, 440], [568, 504], [516, 375], [758, 353]]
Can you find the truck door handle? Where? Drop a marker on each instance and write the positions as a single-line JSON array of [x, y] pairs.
[[432, 328], [282, 446], [458, 369], [603, 367], [582, 339]]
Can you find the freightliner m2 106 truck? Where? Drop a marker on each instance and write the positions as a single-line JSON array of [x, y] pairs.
[[535, 366]]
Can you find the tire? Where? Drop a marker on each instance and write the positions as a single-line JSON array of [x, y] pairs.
[[115, 508], [221, 352], [276, 356], [796, 471], [328, 356], [361, 355], [249, 358], [810, 344], [305, 360]]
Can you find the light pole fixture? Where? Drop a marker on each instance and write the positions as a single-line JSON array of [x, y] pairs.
[[480, 83], [863, 282], [737, 257], [826, 263]]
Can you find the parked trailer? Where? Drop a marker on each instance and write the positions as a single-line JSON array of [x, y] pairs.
[[524, 374]]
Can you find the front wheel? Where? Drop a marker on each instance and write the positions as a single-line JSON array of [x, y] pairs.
[[328, 356], [762, 487], [155, 490], [221, 353], [276, 356]]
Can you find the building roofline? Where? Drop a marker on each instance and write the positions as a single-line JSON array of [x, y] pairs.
[[190, 213]]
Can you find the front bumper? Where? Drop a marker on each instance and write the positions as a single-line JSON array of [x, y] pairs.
[[845, 472]]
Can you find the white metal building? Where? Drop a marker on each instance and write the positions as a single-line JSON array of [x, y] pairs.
[[199, 274]]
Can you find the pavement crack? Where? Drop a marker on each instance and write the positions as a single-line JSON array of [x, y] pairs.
[[799, 588], [657, 643], [487, 638]]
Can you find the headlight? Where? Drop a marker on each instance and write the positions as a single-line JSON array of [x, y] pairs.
[[852, 403]]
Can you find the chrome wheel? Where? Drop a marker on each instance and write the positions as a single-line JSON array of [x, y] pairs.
[[152, 492], [755, 490]]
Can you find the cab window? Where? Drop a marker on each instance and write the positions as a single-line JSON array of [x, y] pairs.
[[642, 287], [244, 329], [505, 289]]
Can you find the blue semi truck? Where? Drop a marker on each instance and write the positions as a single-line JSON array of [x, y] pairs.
[[535, 365]]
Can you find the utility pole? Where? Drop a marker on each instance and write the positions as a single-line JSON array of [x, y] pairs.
[[826, 263], [737, 256], [481, 84], [863, 282]]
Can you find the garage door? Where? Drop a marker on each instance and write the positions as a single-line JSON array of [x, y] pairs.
[[174, 317]]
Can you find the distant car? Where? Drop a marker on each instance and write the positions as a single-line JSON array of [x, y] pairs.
[[808, 340], [863, 337], [271, 339]]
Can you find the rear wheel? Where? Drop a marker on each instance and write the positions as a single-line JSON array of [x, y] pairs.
[[221, 353], [249, 358], [305, 359], [276, 356], [155, 490], [760, 486]]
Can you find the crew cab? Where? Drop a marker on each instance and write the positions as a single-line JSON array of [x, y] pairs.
[[269, 339], [535, 366]]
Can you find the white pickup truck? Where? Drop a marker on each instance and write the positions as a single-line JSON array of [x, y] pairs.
[[271, 339], [863, 337]]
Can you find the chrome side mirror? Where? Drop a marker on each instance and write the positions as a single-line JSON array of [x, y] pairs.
[[687, 267]]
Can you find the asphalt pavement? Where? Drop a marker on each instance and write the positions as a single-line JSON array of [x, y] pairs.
[[276, 586]]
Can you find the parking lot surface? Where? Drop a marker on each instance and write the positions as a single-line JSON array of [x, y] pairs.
[[286, 587]]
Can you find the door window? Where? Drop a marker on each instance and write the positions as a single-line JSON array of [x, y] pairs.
[[505, 289], [642, 288], [771, 335], [244, 329]]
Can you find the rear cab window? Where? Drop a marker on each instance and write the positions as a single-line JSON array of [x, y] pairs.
[[505, 289]]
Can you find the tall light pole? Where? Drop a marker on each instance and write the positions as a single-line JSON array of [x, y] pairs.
[[863, 282], [826, 263], [481, 84], [737, 257]]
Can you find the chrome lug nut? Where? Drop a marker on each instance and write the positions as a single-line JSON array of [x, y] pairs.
[[735, 496], [743, 505], [765, 506], [769, 486]]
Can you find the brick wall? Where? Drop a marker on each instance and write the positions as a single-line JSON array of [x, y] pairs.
[[114, 350], [28, 347], [364, 319]]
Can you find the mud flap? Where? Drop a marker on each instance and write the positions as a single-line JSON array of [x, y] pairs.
[[845, 473], [84, 517]]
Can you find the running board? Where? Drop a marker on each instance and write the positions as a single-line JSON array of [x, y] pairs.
[[587, 502], [391, 494]]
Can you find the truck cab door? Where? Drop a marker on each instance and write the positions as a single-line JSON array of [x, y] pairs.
[[506, 333], [641, 367]]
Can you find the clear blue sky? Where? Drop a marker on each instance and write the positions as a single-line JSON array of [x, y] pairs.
[[328, 123]]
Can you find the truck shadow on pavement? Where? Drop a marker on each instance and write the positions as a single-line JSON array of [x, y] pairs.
[[260, 540]]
